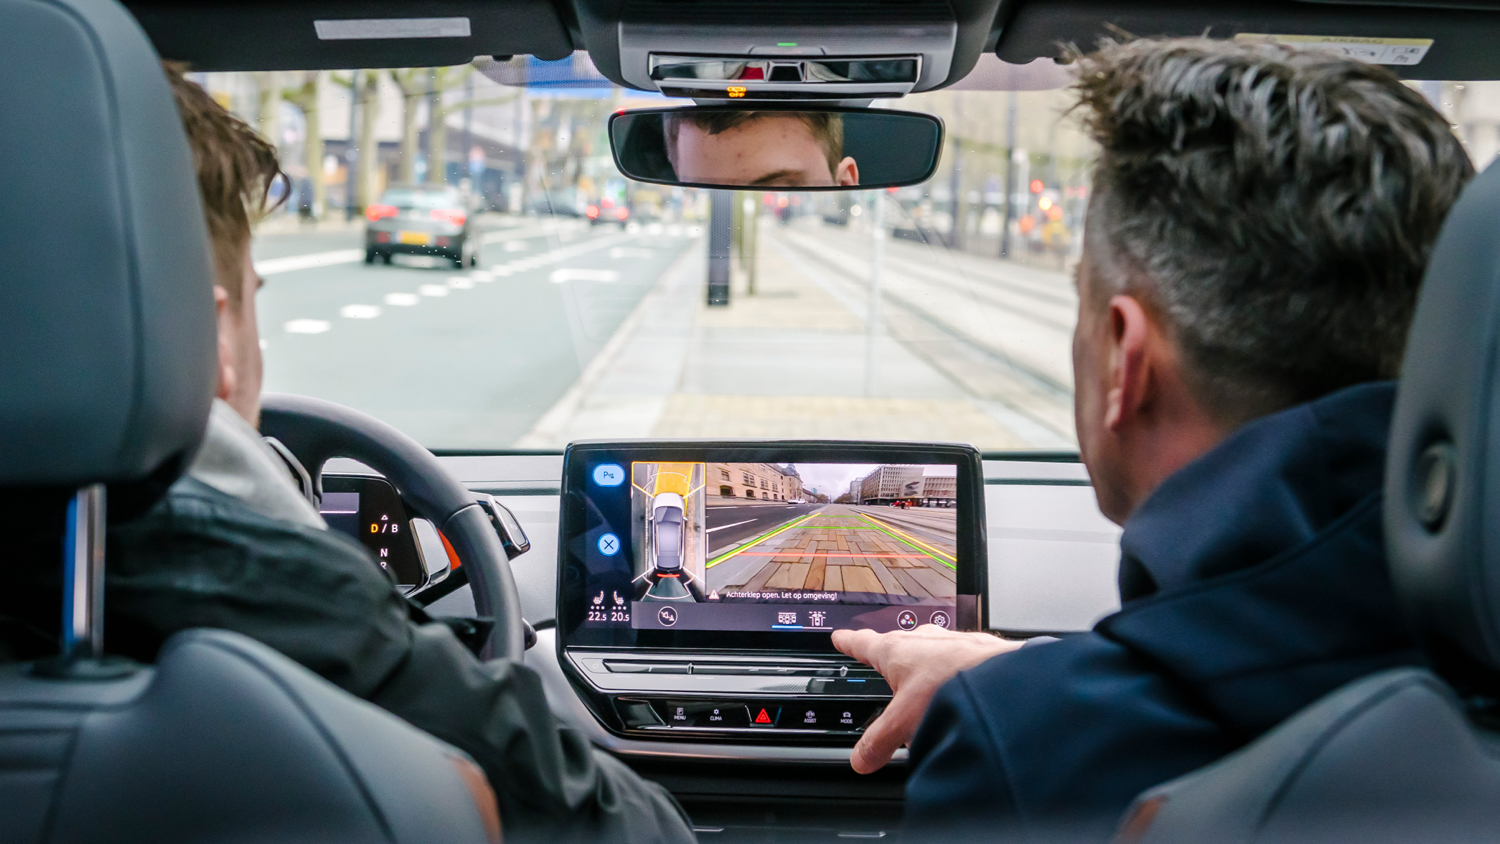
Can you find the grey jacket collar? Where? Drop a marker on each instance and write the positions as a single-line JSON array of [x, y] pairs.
[[237, 462]]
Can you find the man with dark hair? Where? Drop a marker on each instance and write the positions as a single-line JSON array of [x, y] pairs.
[[1260, 223], [235, 545], [765, 149]]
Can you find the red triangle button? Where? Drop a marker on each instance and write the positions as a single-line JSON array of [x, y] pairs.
[[763, 718]]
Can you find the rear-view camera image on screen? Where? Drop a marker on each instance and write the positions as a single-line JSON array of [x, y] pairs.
[[796, 547]]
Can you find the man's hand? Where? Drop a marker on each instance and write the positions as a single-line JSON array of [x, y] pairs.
[[915, 664]]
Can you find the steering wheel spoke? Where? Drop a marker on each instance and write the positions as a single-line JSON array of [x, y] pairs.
[[316, 431]]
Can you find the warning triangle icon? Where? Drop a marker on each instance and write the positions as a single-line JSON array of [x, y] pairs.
[[714, 595], [763, 717]]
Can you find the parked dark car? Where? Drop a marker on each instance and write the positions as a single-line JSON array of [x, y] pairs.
[[421, 220]]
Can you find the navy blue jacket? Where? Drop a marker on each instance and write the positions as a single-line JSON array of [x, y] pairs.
[[1252, 582]]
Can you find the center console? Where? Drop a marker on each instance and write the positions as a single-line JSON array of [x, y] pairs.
[[699, 582]]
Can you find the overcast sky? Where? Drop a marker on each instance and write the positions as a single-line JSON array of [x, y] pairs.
[[832, 479]]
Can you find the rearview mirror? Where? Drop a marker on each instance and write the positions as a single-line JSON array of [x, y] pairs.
[[775, 148]]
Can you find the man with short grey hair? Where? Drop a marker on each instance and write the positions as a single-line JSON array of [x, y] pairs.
[[1260, 223]]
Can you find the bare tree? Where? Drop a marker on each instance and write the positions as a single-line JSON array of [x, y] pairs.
[[305, 97], [413, 84], [446, 79], [268, 105], [368, 150]]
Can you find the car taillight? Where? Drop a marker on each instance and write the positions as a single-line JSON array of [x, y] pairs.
[[622, 212], [449, 215], [376, 212], [592, 211], [607, 203]]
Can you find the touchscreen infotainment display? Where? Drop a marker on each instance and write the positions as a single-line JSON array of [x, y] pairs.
[[771, 546]]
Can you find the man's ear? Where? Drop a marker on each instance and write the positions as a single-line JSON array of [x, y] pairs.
[[847, 173], [1130, 377], [226, 349]]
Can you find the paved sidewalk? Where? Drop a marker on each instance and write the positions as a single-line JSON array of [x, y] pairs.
[[788, 361]]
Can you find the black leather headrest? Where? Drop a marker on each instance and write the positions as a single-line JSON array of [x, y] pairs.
[[1442, 507], [107, 336]]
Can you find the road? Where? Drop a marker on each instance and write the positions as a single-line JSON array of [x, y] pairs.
[[457, 359], [730, 524], [842, 548]]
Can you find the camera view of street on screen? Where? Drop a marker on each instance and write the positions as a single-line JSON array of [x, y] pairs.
[[868, 534]]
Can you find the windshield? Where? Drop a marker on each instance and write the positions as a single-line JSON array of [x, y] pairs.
[[565, 302]]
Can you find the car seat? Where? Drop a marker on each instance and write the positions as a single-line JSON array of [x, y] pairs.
[[1406, 755], [107, 351]]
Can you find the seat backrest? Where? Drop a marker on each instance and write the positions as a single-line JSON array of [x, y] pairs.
[[108, 353], [223, 740], [1399, 756]]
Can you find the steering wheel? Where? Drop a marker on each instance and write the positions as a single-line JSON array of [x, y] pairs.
[[316, 430]]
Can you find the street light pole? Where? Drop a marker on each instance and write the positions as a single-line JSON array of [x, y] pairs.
[[872, 320], [1010, 178], [351, 155]]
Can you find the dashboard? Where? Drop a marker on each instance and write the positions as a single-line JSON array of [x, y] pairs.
[[1049, 563]]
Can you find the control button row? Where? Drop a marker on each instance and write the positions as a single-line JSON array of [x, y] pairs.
[[836, 717]]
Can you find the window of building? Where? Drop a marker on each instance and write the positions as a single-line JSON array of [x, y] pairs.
[[726, 491], [723, 474]]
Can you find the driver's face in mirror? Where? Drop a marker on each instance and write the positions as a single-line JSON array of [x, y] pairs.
[[760, 149]]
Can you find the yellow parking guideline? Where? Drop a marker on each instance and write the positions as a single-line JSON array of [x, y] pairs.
[[758, 541], [909, 538]]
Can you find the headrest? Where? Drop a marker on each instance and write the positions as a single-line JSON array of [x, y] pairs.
[[1442, 502], [107, 335]]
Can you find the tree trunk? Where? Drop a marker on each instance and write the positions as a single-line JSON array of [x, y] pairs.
[[268, 107], [437, 139], [368, 150], [305, 97], [410, 83]]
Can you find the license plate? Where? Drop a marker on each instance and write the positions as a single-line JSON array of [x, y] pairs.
[[416, 238]]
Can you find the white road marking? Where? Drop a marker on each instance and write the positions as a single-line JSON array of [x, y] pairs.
[[433, 290], [674, 230], [401, 300], [481, 275], [515, 246], [560, 276], [630, 252], [654, 228], [359, 311], [307, 326], [460, 283], [736, 524], [272, 266]]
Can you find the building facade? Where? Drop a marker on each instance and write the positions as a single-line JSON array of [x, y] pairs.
[[754, 481], [927, 486]]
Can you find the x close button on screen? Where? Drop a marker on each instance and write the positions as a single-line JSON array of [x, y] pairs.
[[609, 545]]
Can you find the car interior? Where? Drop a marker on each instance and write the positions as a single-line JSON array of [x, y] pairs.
[[672, 581]]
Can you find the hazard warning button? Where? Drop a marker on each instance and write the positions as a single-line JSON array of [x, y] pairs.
[[763, 716]]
